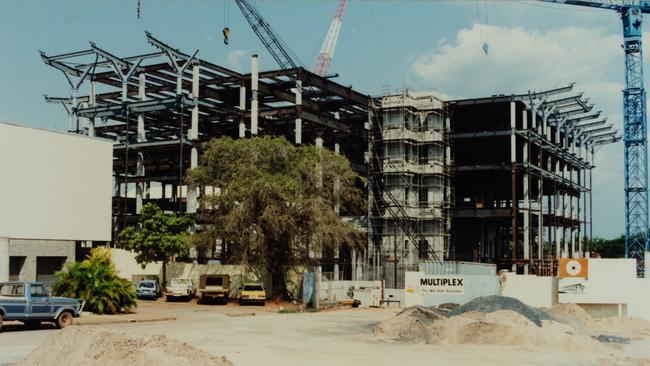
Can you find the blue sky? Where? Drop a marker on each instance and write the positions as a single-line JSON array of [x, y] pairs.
[[382, 45]]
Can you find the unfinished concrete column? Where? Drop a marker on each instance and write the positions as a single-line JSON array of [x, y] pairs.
[[192, 195], [193, 133], [513, 160], [558, 213], [242, 108], [254, 87], [526, 188], [92, 102], [142, 96], [298, 130], [4, 259], [139, 185]]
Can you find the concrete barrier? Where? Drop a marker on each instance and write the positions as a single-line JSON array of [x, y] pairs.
[[129, 269], [532, 290]]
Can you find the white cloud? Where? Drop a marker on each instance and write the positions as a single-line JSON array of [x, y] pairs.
[[520, 60], [236, 59]]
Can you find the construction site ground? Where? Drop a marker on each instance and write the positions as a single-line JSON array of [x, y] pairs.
[[256, 335]]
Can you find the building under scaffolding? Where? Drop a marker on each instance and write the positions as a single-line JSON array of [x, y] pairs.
[[161, 106], [410, 167]]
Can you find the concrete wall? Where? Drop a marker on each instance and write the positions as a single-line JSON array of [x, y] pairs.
[[611, 284], [533, 290], [474, 286], [58, 185], [33, 249], [129, 269], [640, 306], [333, 291]]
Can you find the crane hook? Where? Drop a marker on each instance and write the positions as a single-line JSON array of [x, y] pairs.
[[226, 34], [138, 8]]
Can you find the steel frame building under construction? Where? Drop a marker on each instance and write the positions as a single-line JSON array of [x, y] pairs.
[[161, 106], [504, 179], [522, 177]]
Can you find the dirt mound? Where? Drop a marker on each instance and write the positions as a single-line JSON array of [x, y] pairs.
[[80, 346], [500, 327], [571, 314], [507, 328], [490, 304], [410, 325]]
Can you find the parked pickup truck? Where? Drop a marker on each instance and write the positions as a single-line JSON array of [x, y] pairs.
[[30, 303], [214, 287]]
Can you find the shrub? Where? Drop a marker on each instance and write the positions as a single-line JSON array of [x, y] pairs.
[[96, 281]]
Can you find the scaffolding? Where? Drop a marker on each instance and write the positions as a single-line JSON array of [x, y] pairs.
[[411, 167]]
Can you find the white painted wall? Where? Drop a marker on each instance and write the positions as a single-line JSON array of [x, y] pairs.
[[612, 282], [532, 290], [127, 267], [57, 186], [473, 286]]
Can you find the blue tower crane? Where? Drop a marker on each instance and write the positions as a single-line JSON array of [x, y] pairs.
[[635, 124]]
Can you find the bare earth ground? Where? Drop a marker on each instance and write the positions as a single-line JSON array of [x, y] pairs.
[[341, 337]]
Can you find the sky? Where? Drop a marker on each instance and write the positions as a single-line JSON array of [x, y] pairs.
[[383, 46]]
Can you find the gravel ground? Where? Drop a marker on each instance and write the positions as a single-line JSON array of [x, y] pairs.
[[490, 304]]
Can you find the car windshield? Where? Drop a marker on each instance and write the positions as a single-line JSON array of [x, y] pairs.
[[253, 288], [180, 282], [146, 284], [214, 281]]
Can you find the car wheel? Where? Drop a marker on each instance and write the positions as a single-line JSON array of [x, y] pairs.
[[0, 323], [64, 319]]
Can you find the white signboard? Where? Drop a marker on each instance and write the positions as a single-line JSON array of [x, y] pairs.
[[55, 186], [430, 285]]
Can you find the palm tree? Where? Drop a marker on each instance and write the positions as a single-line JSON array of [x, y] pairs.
[[96, 281]]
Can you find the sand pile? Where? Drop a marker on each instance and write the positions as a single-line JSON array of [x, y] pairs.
[[410, 325], [493, 320], [571, 314], [81, 346], [501, 327]]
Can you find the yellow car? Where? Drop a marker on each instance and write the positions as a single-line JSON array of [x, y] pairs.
[[252, 293]]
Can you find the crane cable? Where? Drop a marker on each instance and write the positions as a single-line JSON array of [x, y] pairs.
[[138, 8], [486, 45], [226, 21]]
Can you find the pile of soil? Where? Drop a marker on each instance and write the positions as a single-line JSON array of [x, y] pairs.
[[491, 320], [84, 346], [490, 304], [412, 324], [500, 327], [571, 314], [506, 328]]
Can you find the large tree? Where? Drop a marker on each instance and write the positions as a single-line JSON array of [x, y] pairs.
[[159, 237], [275, 202]]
